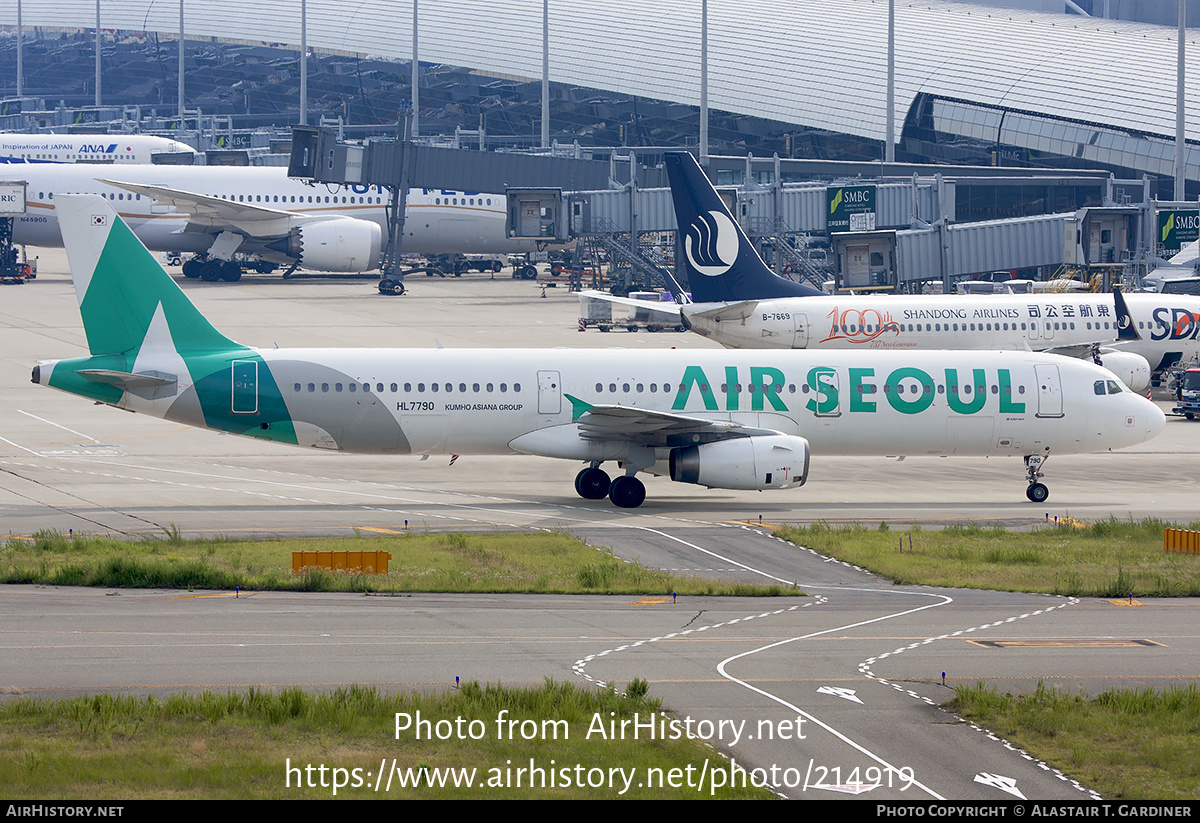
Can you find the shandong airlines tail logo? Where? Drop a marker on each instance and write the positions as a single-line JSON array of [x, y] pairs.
[[712, 244]]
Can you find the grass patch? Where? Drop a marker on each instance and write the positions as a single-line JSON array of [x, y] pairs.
[[1109, 558], [531, 563], [1126, 744], [242, 745]]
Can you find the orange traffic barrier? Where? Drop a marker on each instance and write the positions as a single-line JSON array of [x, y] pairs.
[[350, 562], [1185, 541]]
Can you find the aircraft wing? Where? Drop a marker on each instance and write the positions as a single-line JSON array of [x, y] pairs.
[[723, 312], [1082, 351], [214, 214], [655, 428]]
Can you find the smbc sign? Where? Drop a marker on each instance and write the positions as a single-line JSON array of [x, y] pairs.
[[851, 208], [1176, 229]]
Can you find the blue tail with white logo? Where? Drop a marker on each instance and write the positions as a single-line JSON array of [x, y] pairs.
[[722, 266]]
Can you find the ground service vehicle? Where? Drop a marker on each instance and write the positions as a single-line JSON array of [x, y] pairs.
[[1189, 394]]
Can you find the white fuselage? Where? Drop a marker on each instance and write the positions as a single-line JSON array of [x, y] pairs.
[[436, 222], [118, 149], [1166, 323], [462, 401]]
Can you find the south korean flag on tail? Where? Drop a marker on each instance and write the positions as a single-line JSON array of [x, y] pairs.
[[99, 220]]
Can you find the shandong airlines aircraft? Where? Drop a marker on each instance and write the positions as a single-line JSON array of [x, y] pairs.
[[741, 303], [219, 212], [724, 419], [121, 149]]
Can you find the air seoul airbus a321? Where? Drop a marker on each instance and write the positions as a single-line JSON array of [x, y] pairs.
[[724, 419], [741, 303]]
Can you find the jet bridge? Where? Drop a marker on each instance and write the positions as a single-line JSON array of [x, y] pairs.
[[889, 233]]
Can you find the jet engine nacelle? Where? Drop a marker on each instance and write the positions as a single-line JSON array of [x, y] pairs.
[[1131, 369], [777, 461], [339, 244]]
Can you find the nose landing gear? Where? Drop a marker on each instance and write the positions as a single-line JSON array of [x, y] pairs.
[[1037, 491]]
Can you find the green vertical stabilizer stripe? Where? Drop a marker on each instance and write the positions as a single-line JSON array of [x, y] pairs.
[[123, 294]]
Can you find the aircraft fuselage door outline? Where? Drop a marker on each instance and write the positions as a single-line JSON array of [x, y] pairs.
[[801, 325], [549, 392], [245, 387], [1050, 402], [826, 387]]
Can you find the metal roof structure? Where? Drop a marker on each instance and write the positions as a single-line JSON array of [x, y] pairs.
[[815, 63]]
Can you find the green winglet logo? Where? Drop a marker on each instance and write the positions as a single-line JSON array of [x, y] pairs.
[[578, 408], [1168, 227]]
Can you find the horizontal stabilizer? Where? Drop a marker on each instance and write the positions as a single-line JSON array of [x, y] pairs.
[[151, 385], [654, 305], [726, 312]]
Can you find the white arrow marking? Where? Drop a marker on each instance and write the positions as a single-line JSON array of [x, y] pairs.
[[1004, 784], [845, 694], [849, 788]]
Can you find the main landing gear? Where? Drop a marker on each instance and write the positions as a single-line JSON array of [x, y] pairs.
[[210, 270], [626, 491], [1037, 492]]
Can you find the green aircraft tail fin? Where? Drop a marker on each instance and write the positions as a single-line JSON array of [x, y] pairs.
[[122, 288]]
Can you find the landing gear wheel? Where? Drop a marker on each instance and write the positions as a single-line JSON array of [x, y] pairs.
[[231, 271], [627, 492], [192, 268], [389, 286], [210, 272], [592, 483], [1037, 491]]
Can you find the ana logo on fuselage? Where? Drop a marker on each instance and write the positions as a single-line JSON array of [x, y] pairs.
[[712, 244]]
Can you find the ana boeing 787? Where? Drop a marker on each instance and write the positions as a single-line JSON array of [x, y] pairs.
[[223, 213]]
